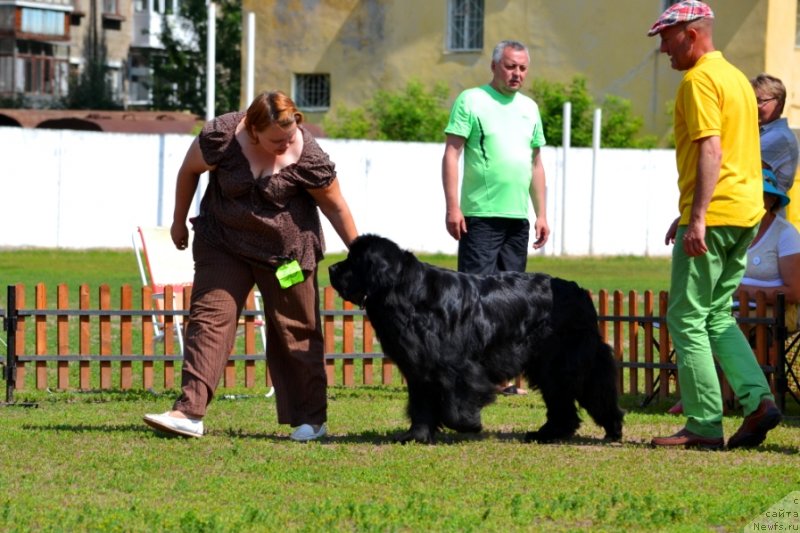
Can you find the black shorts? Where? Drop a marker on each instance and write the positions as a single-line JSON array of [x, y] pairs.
[[493, 244]]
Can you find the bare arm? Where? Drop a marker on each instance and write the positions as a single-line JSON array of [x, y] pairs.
[[538, 194], [454, 218], [708, 167], [188, 177], [333, 205], [669, 238]]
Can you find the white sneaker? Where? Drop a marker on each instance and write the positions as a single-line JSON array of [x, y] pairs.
[[185, 427], [307, 432]]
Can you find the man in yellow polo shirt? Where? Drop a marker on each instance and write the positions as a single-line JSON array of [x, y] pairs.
[[719, 177]]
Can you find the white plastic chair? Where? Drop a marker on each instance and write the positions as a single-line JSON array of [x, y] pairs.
[[161, 264]]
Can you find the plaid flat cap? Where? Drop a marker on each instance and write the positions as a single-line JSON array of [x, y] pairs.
[[685, 11]]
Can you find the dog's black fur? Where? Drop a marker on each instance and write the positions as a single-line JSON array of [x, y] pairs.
[[456, 336]]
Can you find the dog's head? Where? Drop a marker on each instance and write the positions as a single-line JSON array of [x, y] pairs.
[[373, 264]]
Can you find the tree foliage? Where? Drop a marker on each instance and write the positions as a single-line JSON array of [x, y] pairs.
[[346, 123], [416, 114], [179, 70], [15, 101], [551, 97], [620, 126], [411, 114]]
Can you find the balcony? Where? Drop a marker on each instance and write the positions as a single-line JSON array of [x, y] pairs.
[[147, 27], [38, 21]]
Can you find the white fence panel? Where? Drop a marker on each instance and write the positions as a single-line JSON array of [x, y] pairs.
[[75, 189]]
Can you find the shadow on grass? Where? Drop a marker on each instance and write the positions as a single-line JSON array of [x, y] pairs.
[[381, 439]]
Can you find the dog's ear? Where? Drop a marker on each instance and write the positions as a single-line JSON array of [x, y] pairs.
[[381, 269], [377, 261]]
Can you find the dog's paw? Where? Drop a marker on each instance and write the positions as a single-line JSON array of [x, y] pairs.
[[475, 428], [532, 436], [613, 436], [422, 436], [466, 427], [546, 437]]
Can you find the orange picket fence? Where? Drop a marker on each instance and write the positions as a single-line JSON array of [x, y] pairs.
[[108, 341]]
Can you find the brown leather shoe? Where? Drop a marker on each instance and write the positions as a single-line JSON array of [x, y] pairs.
[[754, 429], [687, 439]]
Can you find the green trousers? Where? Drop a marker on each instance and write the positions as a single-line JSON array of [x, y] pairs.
[[702, 328]]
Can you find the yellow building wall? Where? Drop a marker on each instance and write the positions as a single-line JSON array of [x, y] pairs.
[[793, 209], [783, 61], [782, 57], [367, 45]]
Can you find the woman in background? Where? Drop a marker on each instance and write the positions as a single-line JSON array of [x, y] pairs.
[[773, 259]]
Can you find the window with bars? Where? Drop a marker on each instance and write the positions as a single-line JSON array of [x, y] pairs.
[[312, 91], [465, 25]]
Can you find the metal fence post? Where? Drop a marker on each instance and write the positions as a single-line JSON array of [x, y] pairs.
[[781, 383], [10, 326]]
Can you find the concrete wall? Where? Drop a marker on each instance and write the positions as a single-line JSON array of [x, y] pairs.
[[75, 189]]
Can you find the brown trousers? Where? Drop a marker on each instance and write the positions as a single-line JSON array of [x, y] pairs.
[[295, 350]]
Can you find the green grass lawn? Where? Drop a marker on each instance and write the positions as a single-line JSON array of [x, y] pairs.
[[84, 461]]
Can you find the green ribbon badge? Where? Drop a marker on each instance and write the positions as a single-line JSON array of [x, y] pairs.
[[289, 274]]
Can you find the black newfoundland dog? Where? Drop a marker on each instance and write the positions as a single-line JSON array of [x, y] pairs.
[[456, 336]]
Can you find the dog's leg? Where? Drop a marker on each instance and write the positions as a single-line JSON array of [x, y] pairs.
[[423, 412], [461, 412], [606, 413], [599, 394], [562, 416], [465, 391], [557, 385]]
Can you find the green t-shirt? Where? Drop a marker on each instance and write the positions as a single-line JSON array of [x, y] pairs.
[[501, 132]]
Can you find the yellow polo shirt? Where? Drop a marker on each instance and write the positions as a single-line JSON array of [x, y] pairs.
[[716, 99]]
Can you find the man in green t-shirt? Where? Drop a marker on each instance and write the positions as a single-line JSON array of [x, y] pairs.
[[500, 132]]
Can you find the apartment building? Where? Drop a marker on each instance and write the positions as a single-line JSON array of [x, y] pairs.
[[43, 43]]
